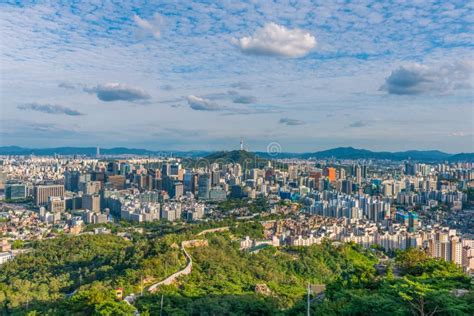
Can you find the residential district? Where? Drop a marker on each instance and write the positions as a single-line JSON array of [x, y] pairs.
[[385, 204]]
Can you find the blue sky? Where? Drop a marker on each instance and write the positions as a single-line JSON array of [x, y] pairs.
[[182, 75]]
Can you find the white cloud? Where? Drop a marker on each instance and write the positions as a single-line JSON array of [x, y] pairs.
[[118, 92], [414, 79], [459, 134], [201, 104], [152, 26], [49, 109], [96, 44], [277, 40]]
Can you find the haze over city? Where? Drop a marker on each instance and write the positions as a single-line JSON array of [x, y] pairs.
[[188, 75]]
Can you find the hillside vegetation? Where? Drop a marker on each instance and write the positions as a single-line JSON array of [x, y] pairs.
[[78, 276]]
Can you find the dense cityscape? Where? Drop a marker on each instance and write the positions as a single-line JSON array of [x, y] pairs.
[[237, 157], [381, 205], [394, 205]]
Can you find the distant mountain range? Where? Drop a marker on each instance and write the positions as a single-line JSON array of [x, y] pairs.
[[237, 155], [91, 151], [353, 153]]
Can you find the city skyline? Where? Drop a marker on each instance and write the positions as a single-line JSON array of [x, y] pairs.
[[237, 157], [195, 76]]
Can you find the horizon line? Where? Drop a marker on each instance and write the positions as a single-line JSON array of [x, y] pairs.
[[235, 149]]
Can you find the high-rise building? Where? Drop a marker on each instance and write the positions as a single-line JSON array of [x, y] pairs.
[[292, 172], [204, 186], [113, 168], [237, 170], [91, 202], [90, 187], [364, 172], [215, 178], [316, 175], [165, 170], [342, 174], [117, 182], [181, 173], [413, 221], [402, 218], [358, 174], [387, 189], [97, 176], [41, 193], [176, 190], [346, 186], [236, 191], [411, 168], [331, 174], [174, 169], [456, 250], [56, 204], [74, 202], [190, 182], [3, 179], [71, 180], [15, 191]]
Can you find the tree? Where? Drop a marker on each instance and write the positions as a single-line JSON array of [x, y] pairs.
[[416, 294]]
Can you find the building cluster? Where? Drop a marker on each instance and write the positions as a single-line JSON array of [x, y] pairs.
[[132, 189], [151, 206], [337, 204], [438, 241], [22, 224], [84, 181], [368, 202]]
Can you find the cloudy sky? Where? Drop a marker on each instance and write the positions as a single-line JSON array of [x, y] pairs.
[[183, 75]]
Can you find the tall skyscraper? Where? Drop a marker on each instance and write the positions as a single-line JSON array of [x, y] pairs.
[[3, 179], [346, 186], [71, 180], [413, 221], [204, 186], [190, 182], [411, 168], [358, 174], [215, 178], [331, 173], [292, 172], [342, 173]]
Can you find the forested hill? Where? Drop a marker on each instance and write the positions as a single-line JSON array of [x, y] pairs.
[[233, 155], [79, 276]]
